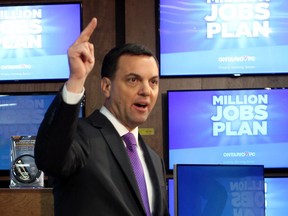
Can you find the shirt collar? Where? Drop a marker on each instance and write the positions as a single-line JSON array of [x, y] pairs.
[[121, 129]]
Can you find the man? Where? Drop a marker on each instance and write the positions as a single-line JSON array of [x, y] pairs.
[[87, 158]]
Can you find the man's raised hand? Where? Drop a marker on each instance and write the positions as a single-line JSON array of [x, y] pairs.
[[81, 58]]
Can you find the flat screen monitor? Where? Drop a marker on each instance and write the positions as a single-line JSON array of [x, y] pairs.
[[219, 190], [276, 196], [170, 192], [34, 39], [222, 38], [240, 126], [21, 115]]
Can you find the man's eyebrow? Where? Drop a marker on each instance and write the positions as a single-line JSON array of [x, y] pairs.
[[155, 77], [133, 74], [138, 76]]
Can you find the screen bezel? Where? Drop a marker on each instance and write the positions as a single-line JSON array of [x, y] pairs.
[[42, 80]]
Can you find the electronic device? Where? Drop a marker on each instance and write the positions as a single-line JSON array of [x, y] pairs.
[[276, 194], [222, 38], [219, 190], [21, 114], [34, 39], [170, 194], [233, 126]]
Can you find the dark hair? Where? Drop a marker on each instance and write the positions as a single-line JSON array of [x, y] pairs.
[[110, 62]]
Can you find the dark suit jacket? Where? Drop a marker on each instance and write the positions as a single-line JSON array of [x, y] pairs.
[[90, 167]]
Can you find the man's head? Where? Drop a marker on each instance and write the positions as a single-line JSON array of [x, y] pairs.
[[130, 83], [111, 59]]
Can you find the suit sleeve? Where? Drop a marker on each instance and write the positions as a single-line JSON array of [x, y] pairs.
[[56, 151]]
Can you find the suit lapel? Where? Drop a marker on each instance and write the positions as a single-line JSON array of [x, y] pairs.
[[115, 143]]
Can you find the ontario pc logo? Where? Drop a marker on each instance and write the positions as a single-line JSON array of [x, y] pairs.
[[239, 154]]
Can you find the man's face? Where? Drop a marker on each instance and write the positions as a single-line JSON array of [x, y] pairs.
[[132, 93]]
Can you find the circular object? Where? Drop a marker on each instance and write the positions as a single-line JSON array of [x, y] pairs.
[[24, 169]]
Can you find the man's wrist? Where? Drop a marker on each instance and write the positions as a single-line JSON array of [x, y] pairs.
[[71, 97]]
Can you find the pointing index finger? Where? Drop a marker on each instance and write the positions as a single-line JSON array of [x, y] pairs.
[[87, 32]]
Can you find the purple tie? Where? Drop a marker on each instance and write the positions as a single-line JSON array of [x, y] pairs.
[[137, 168]]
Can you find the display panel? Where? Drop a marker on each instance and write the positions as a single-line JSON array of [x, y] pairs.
[[21, 114], [240, 126], [34, 39], [219, 190], [276, 195], [170, 192], [221, 37]]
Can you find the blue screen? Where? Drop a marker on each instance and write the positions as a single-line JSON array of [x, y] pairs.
[[219, 190], [276, 196], [242, 126], [221, 37], [21, 114], [34, 40], [171, 196]]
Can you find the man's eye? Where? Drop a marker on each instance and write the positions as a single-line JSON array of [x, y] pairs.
[[133, 79], [154, 82]]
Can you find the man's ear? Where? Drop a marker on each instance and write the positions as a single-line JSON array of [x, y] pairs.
[[106, 86]]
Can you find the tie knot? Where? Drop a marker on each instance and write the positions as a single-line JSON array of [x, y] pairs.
[[130, 141]]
